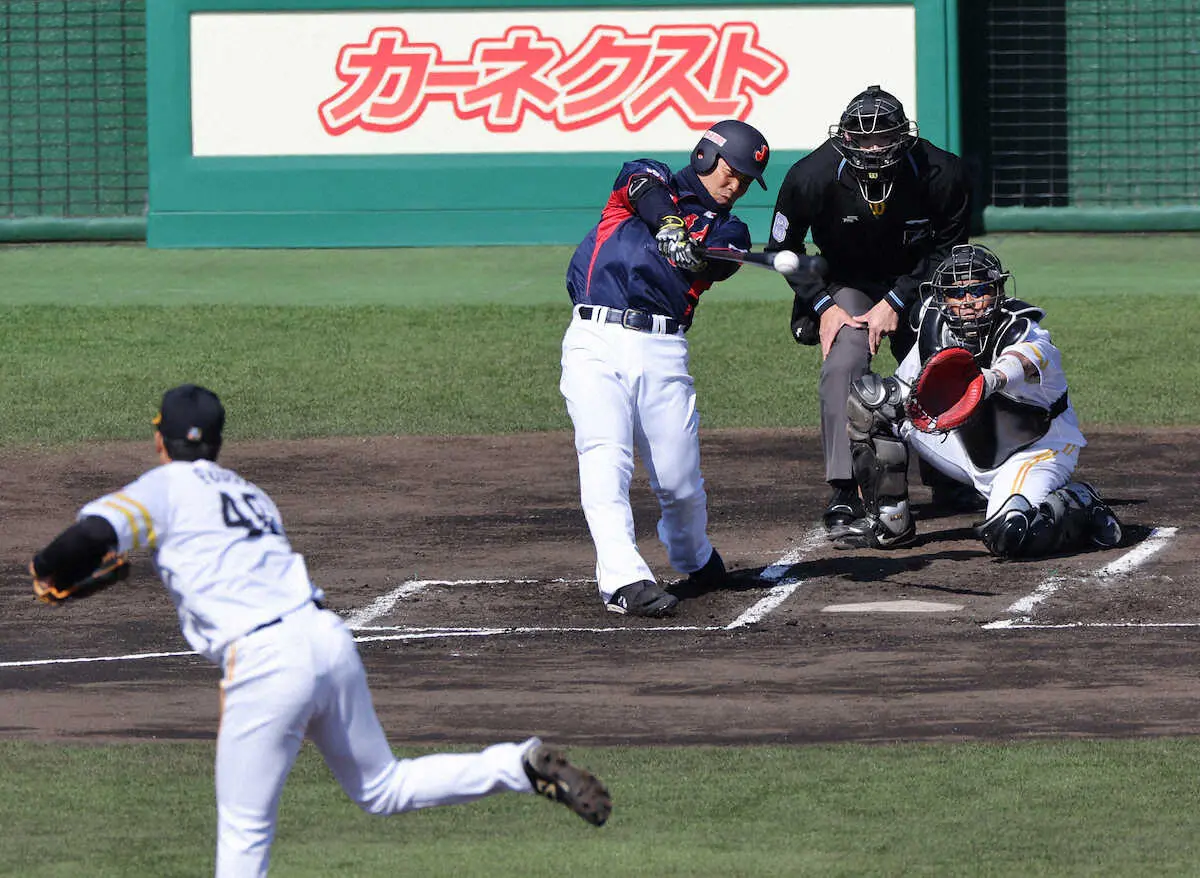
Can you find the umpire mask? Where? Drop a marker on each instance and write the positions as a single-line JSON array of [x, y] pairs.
[[872, 136]]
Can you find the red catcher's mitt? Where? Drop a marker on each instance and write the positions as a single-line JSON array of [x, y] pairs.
[[947, 392]]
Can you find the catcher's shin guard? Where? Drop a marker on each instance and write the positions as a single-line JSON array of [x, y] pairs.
[[552, 776], [1068, 518], [879, 458], [1083, 517]]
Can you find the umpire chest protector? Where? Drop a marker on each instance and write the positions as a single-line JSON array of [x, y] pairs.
[[870, 246], [1001, 425]]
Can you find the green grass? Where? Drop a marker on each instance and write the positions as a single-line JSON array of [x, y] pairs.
[[124, 274], [1052, 808], [311, 343], [80, 373]]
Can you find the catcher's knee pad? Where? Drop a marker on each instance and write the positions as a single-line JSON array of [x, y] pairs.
[[874, 407], [1009, 532]]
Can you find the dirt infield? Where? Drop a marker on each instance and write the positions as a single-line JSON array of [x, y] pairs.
[[492, 527]]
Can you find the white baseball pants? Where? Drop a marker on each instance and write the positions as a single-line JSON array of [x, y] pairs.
[[627, 389], [303, 677], [1033, 473]]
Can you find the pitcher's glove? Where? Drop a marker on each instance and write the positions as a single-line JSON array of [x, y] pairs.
[[947, 391], [673, 242], [113, 569]]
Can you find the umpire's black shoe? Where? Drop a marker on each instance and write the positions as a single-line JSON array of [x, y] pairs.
[[552, 776], [844, 507], [642, 598], [956, 498]]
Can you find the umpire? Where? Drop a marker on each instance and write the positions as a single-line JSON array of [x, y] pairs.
[[885, 206]]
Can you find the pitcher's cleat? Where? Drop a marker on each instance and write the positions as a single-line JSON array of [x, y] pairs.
[[558, 780]]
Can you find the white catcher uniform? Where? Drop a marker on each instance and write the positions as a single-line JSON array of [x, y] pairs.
[[291, 669], [998, 452]]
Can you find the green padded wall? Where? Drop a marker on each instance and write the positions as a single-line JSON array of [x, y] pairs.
[[72, 110]]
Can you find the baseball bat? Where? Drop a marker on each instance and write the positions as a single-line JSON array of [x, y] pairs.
[[807, 264]]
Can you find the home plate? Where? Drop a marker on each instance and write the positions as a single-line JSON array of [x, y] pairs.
[[893, 607]]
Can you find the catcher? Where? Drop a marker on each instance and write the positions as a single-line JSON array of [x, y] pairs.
[[983, 398]]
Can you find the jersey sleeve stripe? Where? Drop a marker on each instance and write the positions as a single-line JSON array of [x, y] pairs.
[[151, 534], [133, 526], [1037, 354]]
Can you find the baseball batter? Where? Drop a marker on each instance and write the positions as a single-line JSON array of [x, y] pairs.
[[634, 282], [1019, 450], [291, 669]]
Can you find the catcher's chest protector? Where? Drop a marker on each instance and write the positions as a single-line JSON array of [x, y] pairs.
[[1001, 426]]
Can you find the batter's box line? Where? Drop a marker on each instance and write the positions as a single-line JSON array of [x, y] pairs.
[[1155, 542], [360, 620]]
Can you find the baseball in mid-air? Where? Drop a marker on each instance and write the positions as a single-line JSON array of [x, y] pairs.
[[786, 262]]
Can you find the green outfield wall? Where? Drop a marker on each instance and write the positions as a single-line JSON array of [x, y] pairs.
[[429, 199], [1073, 115]]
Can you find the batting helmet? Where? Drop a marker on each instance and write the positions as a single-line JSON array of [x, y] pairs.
[[742, 146], [968, 289], [872, 136]]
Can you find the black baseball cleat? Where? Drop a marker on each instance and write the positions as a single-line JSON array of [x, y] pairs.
[[844, 507], [642, 598], [711, 575], [558, 780], [708, 578]]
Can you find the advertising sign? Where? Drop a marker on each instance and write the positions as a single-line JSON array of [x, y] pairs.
[[535, 80]]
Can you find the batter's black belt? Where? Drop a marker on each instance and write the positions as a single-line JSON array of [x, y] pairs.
[[278, 619], [631, 318]]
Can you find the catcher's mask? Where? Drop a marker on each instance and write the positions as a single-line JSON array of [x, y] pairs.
[[968, 289], [873, 135], [741, 145]]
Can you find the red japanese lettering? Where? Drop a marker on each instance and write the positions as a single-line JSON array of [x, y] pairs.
[[703, 73]]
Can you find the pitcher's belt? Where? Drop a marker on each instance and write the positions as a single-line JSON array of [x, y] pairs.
[[278, 619], [631, 318]]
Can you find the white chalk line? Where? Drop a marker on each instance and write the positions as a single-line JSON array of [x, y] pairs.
[[784, 588], [1023, 608], [360, 620], [137, 656], [433, 633]]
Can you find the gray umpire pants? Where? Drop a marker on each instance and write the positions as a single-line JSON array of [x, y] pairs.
[[849, 358]]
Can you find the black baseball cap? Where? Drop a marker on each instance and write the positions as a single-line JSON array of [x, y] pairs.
[[192, 414]]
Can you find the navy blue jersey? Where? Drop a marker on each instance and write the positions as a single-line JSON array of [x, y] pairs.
[[618, 264]]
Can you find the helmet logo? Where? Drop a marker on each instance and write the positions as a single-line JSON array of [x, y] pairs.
[[760, 154], [714, 137]]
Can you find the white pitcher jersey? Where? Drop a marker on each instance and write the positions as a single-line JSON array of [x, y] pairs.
[[218, 543]]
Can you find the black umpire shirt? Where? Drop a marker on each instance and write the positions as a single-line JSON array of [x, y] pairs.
[[887, 250]]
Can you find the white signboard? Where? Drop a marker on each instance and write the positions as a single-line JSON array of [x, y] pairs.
[[600, 80]]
